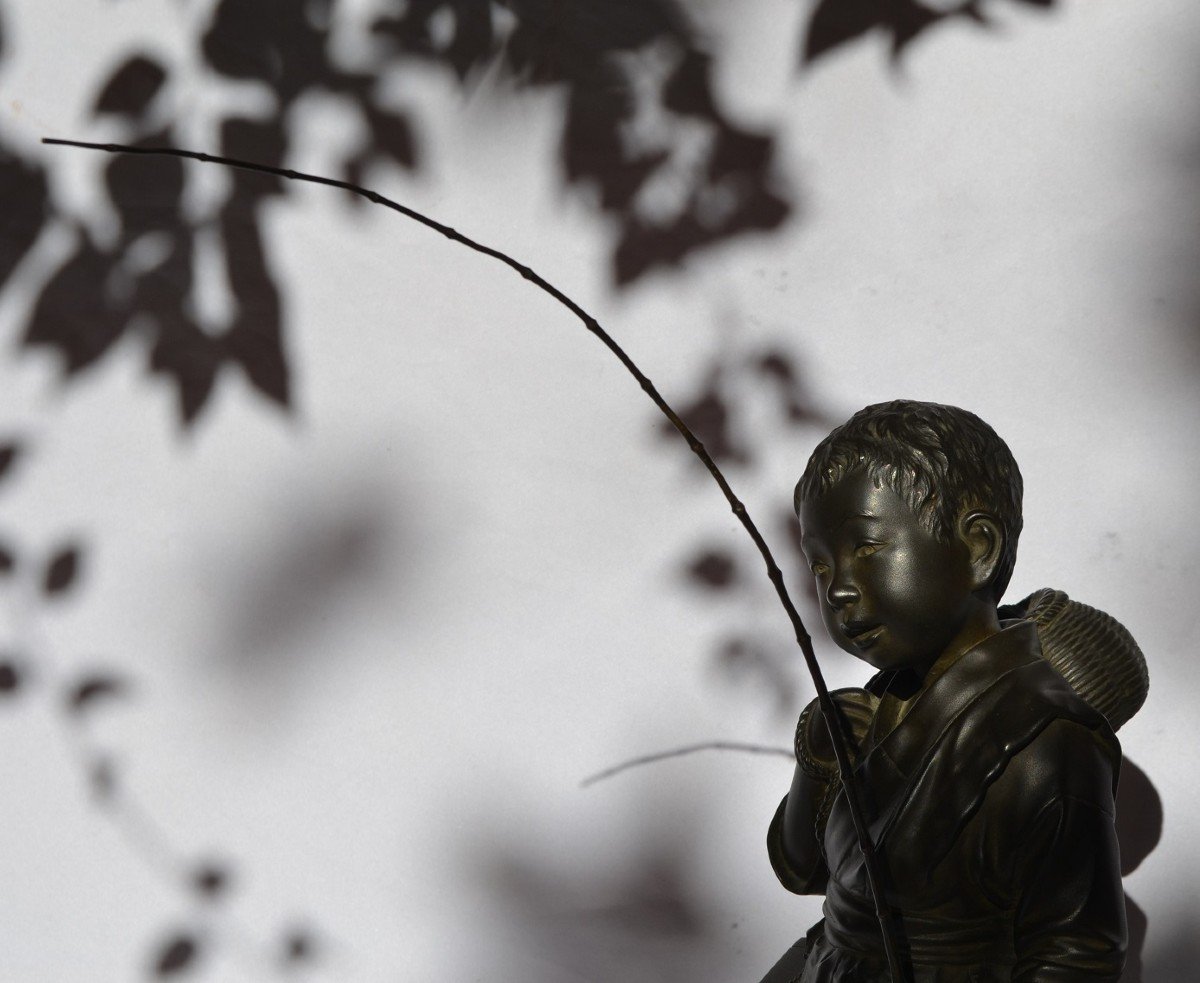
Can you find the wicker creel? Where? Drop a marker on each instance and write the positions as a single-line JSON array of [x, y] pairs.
[[1092, 650]]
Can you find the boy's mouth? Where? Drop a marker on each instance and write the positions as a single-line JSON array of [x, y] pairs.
[[863, 634]]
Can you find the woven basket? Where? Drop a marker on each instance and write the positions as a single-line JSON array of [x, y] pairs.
[[1092, 650]]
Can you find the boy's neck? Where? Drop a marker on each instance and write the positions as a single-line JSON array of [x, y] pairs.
[[981, 624]]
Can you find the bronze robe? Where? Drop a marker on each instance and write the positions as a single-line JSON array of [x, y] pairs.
[[991, 804]]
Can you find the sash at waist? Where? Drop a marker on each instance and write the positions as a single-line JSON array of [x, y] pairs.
[[927, 940]]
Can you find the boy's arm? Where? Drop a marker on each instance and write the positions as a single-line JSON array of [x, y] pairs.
[[794, 840], [1070, 921]]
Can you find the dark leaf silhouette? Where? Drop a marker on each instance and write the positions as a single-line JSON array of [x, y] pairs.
[[713, 569], [274, 41], [255, 338], [687, 91], [801, 411], [83, 310], [96, 296], [26, 208], [668, 200], [780, 367], [834, 22], [644, 917], [298, 947], [644, 135], [777, 365], [392, 139], [62, 570], [790, 527], [9, 452], [556, 41], [8, 560], [102, 777], [725, 191], [718, 418], [392, 135], [262, 141], [593, 150], [743, 659], [146, 192], [909, 20], [211, 881], [188, 356], [709, 417], [131, 88], [96, 687], [466, 40], [735, 654], [10, 677], [176, 955], [182, 350]]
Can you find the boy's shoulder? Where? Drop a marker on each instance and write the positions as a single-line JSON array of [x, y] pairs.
[[1002, 689], [1046, 740], [1025, 705], [1066, 760], [1001, 711]]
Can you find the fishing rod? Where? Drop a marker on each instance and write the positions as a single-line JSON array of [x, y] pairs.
[[828, 708]]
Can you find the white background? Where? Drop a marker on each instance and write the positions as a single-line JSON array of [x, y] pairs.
[[375, 646]]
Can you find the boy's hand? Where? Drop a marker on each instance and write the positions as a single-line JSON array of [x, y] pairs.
[[814, 747]]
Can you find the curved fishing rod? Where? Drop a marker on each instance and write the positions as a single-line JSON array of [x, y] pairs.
[[828, 708]]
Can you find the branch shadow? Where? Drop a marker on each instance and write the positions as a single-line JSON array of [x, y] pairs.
[[644, 140]]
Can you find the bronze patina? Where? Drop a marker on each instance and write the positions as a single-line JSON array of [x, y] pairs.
[[987, 780]]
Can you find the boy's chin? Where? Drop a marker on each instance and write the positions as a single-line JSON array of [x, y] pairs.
[[883, 660], [871, 657], [883, 664]]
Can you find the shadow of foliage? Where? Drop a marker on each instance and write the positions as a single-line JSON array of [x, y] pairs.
[[642, 129], [26, 208], [720, 413], [644, 919], [643, 136], [834, 23], [145, 282], [716, 411], [79, 695], [642, 125]]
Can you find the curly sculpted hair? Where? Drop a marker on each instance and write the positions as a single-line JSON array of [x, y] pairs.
[[942, 460]]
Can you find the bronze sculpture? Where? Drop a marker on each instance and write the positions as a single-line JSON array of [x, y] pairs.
[[987, 780], [972, 747]]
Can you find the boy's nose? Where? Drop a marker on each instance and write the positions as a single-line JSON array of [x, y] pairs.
[[841, 593]]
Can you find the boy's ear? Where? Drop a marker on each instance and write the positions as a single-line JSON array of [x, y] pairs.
[[983, 535]]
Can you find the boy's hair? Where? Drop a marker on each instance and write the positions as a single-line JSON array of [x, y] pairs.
[[940, 459]]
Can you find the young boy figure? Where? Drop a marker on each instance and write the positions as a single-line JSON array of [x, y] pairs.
[[986, 781]]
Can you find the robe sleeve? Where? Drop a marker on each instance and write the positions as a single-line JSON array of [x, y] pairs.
[[795, 839], [795, 853], [1069, 923]]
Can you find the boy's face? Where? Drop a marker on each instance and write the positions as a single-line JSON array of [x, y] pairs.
[[891, 593]]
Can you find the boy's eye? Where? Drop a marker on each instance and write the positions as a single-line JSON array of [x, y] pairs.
[[866, 549], [818, 567]]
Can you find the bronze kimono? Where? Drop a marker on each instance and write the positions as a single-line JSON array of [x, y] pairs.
[[991, 804]]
